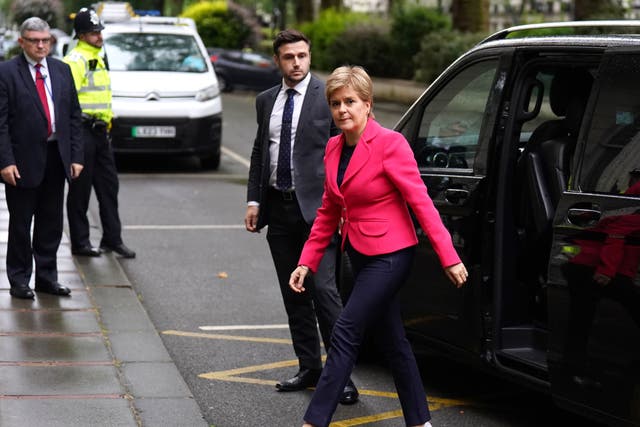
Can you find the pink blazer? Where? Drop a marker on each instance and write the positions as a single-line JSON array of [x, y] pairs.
[[381, 179]]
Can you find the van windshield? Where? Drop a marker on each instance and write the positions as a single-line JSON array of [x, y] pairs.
[[154, 52]]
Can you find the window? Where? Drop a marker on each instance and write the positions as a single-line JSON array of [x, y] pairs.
[[612, 153], [451, 122], [154, 52]]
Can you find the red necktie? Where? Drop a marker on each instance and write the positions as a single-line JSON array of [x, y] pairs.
[[43, 97]]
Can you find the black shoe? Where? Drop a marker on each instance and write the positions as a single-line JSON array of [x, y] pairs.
[[120, 249], [303, 379], [53, 289], [349, 394], [21, 291], [85, 251]]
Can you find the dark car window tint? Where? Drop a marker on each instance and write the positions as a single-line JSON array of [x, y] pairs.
[[451, 122], [613, 144], [154, 52]]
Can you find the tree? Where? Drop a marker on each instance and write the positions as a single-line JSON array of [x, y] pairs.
[[49, 10], [470, 16], [304, 11], [597, 9]]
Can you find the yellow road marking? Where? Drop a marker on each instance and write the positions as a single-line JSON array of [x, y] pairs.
[[231, 375], [228, 337]]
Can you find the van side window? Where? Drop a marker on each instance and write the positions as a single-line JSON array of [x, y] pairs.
[[612, 154], [451, 122]]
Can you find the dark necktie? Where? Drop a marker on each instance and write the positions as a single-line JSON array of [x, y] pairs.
[[43, 96], [283, 173]]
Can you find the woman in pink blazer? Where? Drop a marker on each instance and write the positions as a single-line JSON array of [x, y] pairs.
[[371, 177]]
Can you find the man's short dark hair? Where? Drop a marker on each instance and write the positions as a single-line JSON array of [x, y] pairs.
[[635, 172], [289, 36]]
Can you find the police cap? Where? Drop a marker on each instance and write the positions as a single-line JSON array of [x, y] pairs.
[[86, 21]]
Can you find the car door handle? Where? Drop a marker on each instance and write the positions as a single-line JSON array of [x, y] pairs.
[[583, 217], [455, 195]]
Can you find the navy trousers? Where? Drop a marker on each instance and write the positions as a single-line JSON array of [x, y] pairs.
[[44, 205], [373, 303]]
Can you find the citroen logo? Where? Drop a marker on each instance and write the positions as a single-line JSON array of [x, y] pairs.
[[152, 97]]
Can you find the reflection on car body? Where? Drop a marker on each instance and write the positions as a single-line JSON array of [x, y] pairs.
[[527, 147], [244, 69]]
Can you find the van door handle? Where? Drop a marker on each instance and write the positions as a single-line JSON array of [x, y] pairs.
[[455, 195], [583, 217]]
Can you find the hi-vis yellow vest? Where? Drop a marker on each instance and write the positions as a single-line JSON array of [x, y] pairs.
[[93, 85]]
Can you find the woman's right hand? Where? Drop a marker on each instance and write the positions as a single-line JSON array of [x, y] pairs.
[[296, 281], [457, 273]]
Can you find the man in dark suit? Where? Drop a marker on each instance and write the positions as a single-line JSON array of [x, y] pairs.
[[284, 191], [39, 148]]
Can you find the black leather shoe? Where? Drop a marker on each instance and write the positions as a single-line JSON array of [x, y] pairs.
[[21, 291], [349, 394], [303, 379], [120, 249], [53, 289], [86, 251]]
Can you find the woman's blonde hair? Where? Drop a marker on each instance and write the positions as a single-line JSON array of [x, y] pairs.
[[352, 76]]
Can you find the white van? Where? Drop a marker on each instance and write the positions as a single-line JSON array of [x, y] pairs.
[[166, 98]]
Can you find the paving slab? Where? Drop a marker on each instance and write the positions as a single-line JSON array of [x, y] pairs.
[[155, 380], [46, 321], [65, 349], [59, 380], [111, 412]]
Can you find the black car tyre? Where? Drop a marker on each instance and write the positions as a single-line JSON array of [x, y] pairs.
[[210, 162], [223, 84]]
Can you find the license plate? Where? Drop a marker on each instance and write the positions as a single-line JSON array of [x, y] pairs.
[[153, 131]]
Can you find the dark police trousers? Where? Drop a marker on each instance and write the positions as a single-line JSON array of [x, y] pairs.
[[100, 173], [373, 304]]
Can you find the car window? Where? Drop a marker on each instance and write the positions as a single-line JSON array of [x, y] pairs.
[[450, 128], [154, 52], [612, 151]]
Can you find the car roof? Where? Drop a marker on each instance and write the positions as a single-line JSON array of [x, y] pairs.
[[145, 24]]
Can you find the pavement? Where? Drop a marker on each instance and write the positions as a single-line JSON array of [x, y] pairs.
[[91, 359]]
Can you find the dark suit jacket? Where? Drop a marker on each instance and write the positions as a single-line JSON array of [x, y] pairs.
[[23, 123], [315, 126]]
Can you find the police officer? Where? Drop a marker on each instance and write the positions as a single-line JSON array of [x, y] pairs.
[[93, 84]]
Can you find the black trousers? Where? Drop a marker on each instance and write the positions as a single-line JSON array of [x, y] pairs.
[[286, 235], [99, 173], [43, 204]]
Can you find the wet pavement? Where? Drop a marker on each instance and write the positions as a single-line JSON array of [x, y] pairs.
[[93, 358]]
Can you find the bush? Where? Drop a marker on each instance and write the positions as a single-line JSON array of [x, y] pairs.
[[410, 24], [367, 45], [329, 26], [48, 10], [224, 24], [438, 50]]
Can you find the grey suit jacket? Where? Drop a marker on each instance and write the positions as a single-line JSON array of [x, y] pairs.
[[23, 123], [315, 126]]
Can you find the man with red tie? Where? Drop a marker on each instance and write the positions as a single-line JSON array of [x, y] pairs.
[[40, 125]]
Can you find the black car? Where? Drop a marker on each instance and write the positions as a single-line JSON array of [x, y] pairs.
[[244, 69], [530, 149]]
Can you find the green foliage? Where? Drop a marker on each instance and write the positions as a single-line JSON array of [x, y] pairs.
[[410, 24], [223, 24], [49, 10], [330, 25], [439, 49], [367, 45]]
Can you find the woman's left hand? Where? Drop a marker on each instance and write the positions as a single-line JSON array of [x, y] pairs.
[[457, 273]]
